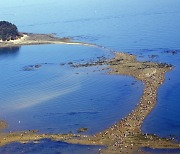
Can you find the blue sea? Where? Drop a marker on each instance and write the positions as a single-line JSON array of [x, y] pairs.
[[56, 98]]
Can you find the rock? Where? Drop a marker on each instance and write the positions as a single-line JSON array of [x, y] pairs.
[[80, 130]]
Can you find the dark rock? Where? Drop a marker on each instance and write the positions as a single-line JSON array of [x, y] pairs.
[[80, 130]]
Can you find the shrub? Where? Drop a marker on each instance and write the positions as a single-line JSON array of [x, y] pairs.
[[8, 31]]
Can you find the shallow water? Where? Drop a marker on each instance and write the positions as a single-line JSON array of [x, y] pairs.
[[58, 98], [141, 27]]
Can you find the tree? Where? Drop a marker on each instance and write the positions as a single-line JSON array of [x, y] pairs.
[[8, 31]]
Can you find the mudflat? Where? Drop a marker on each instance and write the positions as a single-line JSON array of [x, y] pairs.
[[124, 136]]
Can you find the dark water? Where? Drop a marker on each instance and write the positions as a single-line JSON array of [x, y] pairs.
[[47, 146], [144, 28], [162, 151]]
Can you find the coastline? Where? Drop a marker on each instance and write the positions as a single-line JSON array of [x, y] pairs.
[[36, 39], [125, 135]]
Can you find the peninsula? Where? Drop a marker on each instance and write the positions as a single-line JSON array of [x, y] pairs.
[[124, 136]]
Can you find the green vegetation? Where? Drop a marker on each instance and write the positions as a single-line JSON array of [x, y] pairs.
[[8, 31]]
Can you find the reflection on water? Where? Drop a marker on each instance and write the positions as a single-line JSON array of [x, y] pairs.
[[9, 51]]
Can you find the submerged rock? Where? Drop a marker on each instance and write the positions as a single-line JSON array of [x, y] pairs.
[[80, 130], [31, 67]]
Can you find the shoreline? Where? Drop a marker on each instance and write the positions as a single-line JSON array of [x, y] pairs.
[[37, 39], [125, 135]]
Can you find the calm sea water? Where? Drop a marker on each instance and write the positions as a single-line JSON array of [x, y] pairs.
[[58, 98], [141, 27]]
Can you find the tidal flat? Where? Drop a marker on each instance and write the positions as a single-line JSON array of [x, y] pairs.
[[125, 135]]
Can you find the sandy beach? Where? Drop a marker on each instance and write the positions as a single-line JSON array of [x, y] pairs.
[[124, 136]]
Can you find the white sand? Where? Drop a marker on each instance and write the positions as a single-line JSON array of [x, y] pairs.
[[19, 40]]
